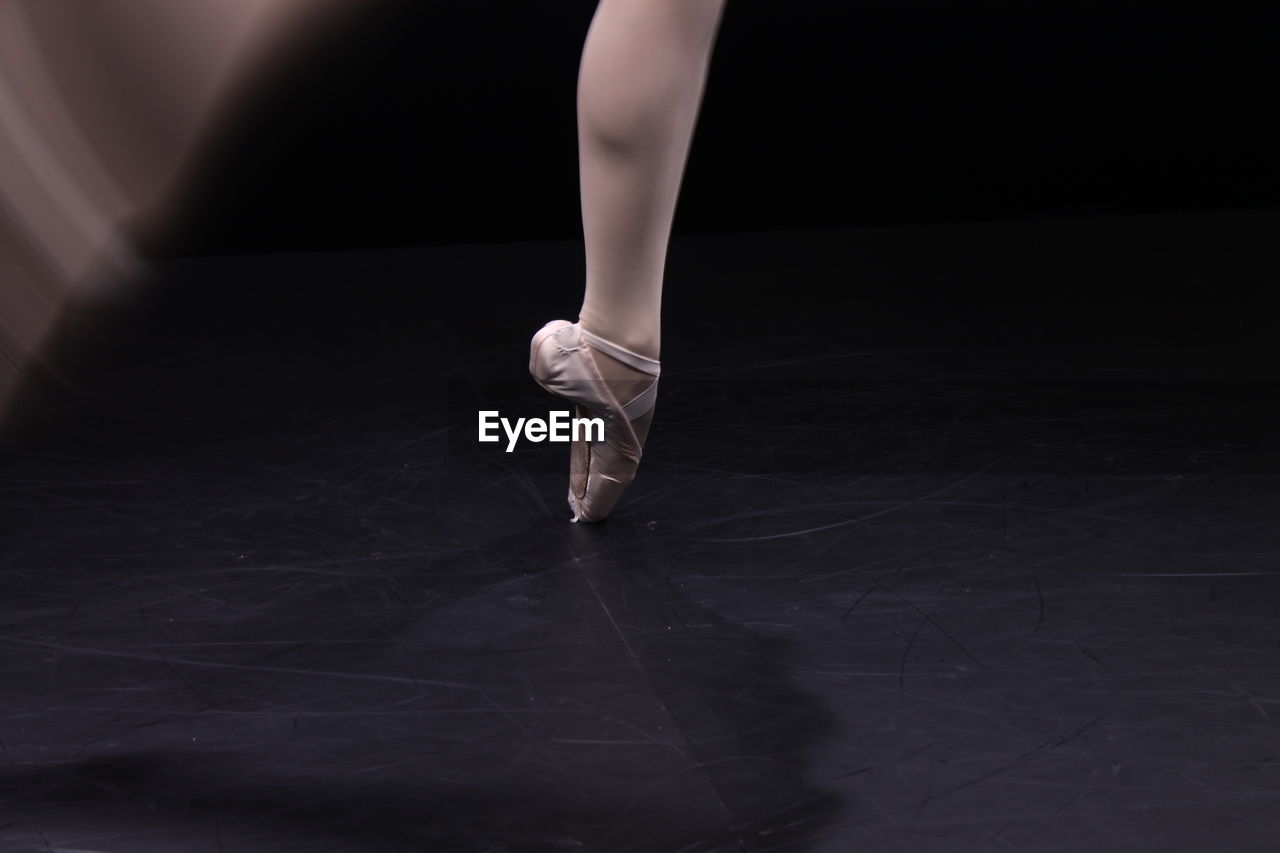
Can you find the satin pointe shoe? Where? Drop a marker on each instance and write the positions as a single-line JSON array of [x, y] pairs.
[[595, 375]]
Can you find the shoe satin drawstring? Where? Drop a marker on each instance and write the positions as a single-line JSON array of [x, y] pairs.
[[643, 401], [642, 363]]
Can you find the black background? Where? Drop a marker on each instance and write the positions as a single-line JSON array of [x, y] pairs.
[[425, 123]]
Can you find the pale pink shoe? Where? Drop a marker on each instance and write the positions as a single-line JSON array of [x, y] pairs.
[[563, 359]]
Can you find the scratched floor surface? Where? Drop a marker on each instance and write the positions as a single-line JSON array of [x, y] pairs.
[[946, 539]]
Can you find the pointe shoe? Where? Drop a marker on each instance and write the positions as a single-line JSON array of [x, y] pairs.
[[566, 360]]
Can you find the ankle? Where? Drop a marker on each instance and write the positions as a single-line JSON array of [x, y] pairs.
[[646, 343]]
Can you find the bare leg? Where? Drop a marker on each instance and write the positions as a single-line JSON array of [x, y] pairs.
[[643, 73]]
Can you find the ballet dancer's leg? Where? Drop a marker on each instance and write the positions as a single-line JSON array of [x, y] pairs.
[[145, 78], [101, 104], [643, 73]]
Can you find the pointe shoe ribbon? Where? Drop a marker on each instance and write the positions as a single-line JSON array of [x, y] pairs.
[[563, 360]]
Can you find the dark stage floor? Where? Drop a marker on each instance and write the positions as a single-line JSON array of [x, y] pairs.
[[947, 539]]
